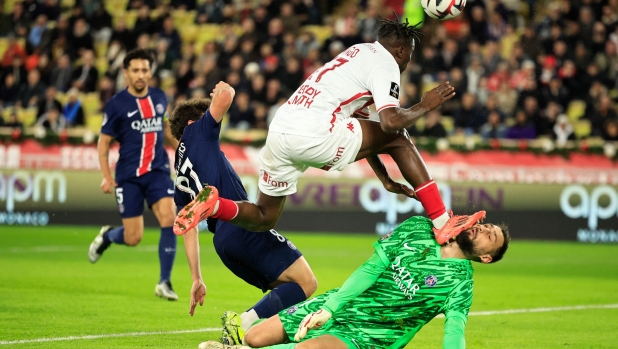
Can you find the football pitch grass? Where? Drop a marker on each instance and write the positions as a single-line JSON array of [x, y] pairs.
[[542, 295]]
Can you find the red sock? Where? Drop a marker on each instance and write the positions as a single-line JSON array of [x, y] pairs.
[[227, 211], [429, 196]]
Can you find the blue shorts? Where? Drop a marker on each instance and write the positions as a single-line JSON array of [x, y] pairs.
[[257, 258], [153, 186]]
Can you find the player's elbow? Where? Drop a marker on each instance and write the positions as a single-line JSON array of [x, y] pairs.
[[388, 126]]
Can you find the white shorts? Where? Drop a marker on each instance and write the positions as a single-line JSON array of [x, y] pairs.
[[285, 157]]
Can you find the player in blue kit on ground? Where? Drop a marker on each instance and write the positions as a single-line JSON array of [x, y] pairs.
[[266, 260], [136, 117]]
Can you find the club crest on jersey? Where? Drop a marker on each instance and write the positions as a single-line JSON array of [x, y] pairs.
[[291, 245], [159, 108], [394, 92], [148, 125], [431, 280], [292, 309]]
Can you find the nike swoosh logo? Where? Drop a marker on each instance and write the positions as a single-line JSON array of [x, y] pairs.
[[170, 191], [408, 247], [130, 114]]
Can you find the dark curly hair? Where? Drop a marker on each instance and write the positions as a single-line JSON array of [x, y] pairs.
[[137, 53], [505, 246], [192, 109], [395, 31]]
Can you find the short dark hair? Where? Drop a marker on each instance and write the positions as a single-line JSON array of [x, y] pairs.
[[505, 246], [137, 53], [396, 31], [192, 109]]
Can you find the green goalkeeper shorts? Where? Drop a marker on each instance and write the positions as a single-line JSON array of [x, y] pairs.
[[338, 327]]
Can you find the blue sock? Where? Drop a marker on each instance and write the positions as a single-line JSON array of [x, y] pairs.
[[281, 297], [115, 235], [167, 253]]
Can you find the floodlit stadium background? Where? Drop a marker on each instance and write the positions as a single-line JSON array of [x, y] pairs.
[[531, 137]]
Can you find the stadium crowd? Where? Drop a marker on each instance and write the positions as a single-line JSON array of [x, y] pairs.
[[520, 72]]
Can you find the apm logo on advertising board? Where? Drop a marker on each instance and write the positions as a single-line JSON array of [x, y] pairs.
[[374, 198], [21, 186], [590, 207]]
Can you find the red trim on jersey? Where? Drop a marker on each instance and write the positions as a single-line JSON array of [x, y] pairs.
[[149, 139], [346, 102], [387, 106]]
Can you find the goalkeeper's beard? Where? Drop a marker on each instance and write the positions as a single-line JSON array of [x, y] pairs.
[[466, 244]]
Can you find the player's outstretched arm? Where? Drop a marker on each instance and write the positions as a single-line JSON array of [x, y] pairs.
[[198, 289], [222, 97], [360, 280], [395, 119], [103, 148], [457, 307]]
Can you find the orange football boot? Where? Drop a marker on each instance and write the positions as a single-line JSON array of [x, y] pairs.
[[197, 210], [456, 224]]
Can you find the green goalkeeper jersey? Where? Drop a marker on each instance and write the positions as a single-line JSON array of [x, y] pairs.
[[416, 285]]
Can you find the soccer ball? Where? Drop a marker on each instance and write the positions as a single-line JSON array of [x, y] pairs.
[[443, 9]]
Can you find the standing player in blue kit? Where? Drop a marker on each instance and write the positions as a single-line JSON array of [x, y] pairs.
[[136, 117], [266, 260]]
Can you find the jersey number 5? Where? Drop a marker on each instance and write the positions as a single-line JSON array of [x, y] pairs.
[[183, 182], [338, 62]]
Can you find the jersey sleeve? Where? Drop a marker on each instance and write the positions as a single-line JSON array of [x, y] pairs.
[[360, 280], [209, 127], [384, 84], [111, 120]]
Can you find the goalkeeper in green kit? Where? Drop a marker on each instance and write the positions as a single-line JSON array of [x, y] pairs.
[[407, 282]]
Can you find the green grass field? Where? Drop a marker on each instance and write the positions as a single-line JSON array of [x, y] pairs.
[[49, 290]]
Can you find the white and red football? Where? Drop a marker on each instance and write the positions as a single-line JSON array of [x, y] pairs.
[[443, 9]]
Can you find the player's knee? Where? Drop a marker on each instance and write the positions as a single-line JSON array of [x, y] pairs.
[[306, 345], [132, 239], [310, 284], [254, 337]]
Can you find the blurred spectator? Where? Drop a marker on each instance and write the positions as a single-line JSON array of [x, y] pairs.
[[289, 21], [39, 35], [51, 9], [12, 51], [85, 76], [61, 29], [433, 126], [275, 34], [13, 121], [499, 76], [581, 56], [50, 101], [171, 35], [604, 112], [468, 118], [143, 23], [72, 110], [89, 7], [478, 25], [563, 131], [18, 18], [533, 113], [523, 129], [492, 106], [548, 118], [555, 92], [122, 34], [586, 22], [81, 39], [45, 67], [607, 62], [494, 128], [496, 27], [473, 74], [106, 90], [450, 56], [507, 98], [52, 121], [242, 114], [9, 91], [292, 76], [368, 27], [33, 91], [18, 70], [163, 59], [273, 92], [522, 77], [101, 25], [209, 11], [183, 77], [611, 130], [257, 89]]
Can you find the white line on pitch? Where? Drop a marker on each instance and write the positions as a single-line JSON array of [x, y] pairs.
[[111, 335], [214, 329]]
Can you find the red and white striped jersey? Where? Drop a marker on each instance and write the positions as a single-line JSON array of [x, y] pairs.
[[362, 75], [137, 124]]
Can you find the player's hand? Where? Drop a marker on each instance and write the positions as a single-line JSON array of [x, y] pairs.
[[198, 293], [363, 113], [434, 98], [312, 321], [223, 86], [107, 184], [399, 188]]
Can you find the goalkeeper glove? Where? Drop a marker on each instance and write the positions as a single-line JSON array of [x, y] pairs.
[[312, 321]]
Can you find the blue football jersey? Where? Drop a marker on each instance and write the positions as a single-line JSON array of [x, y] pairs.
[[200, 161], [137, 124]]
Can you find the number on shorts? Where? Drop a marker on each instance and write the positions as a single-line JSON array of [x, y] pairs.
[[183, 182], [337, 62], [119, 196], [279, 236]]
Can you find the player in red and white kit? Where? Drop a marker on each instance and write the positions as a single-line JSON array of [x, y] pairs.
[[319, 127]]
